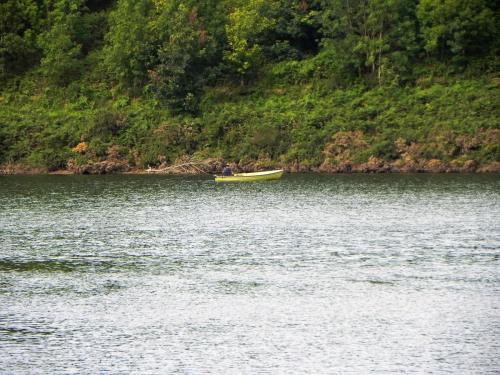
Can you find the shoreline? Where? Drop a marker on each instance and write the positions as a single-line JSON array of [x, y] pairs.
[[371, 167]]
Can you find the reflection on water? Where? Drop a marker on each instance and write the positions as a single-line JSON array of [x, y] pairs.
[[310, 274]]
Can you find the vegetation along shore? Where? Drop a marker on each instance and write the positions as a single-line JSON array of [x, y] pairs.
[[183, 86]]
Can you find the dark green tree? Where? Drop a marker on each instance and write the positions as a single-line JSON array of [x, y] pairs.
[[61, 61], [458, 29], [19, 24], [377, 37], [127, 43], [295, 33], [183, 51]]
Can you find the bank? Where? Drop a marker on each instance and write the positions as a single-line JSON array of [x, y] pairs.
[[214, 166]]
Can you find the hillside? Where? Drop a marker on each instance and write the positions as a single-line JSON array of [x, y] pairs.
[[334, 86]]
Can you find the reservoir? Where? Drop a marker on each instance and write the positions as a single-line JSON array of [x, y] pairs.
[[319, 274]]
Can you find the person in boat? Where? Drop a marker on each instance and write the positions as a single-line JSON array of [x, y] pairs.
[[227, 171]]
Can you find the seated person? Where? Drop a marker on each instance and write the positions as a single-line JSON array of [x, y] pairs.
[[227, 171]]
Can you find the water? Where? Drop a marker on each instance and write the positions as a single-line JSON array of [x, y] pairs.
[[340, 274]]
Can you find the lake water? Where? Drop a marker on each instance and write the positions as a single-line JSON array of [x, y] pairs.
[[318, 274]]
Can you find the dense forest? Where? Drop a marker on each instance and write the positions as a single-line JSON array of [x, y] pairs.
[[95, 86]]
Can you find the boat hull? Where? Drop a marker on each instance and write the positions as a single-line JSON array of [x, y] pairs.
[[255, 176]]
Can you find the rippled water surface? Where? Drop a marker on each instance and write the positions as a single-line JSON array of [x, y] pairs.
[[340, 274]]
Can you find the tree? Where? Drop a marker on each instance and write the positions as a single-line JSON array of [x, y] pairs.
[[61, 52], [245, 24], [294, 34], [127, 42], [370, 36], [458, 28], [19, 21], [177, 68], [188, 43]]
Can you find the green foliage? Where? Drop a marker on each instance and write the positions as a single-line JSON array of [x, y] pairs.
[[370, 36], [458, 28], [126, 52], [164, 47], [19, 23], [294, 34], [106, 125], [176, 70], [301, 82], [61, 51], [245, 25]]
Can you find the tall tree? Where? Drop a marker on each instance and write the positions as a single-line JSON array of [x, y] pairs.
[[61, 51], [19, 24], [182, 52], [370, 36], [246, 23], [458, 28], [127, 42]]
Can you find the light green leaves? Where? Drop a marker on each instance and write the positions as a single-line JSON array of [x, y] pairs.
[[245, 24]]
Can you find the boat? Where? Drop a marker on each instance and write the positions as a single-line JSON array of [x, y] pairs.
[[254, 176]]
